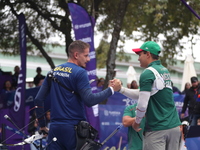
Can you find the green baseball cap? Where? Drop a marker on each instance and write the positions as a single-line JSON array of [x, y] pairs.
[[149, 46]]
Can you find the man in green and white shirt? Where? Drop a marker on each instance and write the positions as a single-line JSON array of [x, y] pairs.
[[134, 139], [155, 102]]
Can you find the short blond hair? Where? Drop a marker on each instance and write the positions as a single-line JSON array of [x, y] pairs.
[[78, 45]]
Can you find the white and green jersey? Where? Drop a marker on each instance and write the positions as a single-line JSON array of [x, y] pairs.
[[161, 112], [134, 140]]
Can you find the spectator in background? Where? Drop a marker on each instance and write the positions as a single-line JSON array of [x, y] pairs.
[[192, 102], [128, 85], [134, 85], [187, 87], [100, 84], [7, 87], [175, 89], [41, 81], [15, 77], [38, 77], [30, 84]]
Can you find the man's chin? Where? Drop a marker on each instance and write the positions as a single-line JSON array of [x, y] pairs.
[[83, 67], [142, 66]]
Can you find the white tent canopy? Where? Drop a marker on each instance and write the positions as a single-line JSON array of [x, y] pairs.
[[188, 72], [131, 74]]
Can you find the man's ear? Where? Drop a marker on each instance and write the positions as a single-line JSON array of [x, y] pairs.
[[148, 54], [76, 55]]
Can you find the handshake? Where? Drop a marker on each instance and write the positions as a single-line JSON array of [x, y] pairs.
[[116, 84]]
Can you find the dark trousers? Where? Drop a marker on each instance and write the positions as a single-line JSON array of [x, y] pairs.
[[193, 119], [66, 137]]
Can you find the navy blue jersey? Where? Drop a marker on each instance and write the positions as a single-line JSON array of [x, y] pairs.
[[67, 107]]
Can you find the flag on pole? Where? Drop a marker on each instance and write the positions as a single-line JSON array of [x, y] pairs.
[[17, 112], [83, 26]]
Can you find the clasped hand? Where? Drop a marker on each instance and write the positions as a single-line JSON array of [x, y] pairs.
[[116, 84]]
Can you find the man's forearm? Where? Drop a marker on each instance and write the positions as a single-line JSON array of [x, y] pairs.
[[142, 105], [130, 93], [91, 99], [128, 121]]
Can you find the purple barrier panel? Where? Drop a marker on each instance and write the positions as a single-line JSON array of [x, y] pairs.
[[12, 137], [110, 118], [119, 99]]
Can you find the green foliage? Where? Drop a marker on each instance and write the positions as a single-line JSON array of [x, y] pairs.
[[163, 21], [101, 53], [42, 18]]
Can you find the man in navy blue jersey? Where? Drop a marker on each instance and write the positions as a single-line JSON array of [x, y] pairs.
[[67, 108]]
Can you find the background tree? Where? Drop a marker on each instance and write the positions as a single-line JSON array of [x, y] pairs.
[[44, 19], [164, 21]]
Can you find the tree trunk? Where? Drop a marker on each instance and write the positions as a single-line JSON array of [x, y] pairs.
[[39, 46], [110, 72]]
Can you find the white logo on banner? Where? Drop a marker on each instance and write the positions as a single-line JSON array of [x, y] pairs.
[[82, 25], [92, 55], [129, 101], [30, 99], [111, 113], [105, 123], [92, 72], [17, 99], [87, 39], [106, 113]]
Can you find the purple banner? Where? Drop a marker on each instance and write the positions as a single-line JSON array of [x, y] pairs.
[[179, 99], [17, 112], [119, 99], [110, 119], [83, 26]]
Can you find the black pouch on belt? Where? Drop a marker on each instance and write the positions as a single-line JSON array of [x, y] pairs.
[[84, 131]]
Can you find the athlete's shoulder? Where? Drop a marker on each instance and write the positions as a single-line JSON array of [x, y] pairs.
[[69, 68], [131, 107], [146, 74]]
